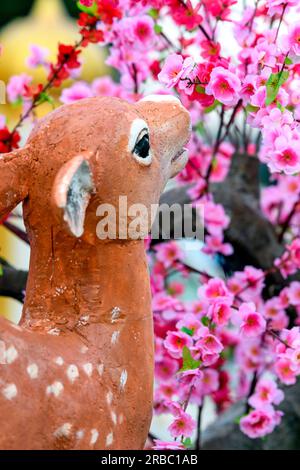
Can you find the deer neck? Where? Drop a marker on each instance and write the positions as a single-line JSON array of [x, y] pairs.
[[75, 286]]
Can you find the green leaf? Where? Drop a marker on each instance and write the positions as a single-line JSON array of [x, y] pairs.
[[273, 85], [288, 61], [279, 106], [153, 13], [251, 109], [17, 102], [200, 89], [205, 321], [45, 98], [157, 28], [187, 443], [212, 107], [189, 362], [238, 419], [1, 270], [200, 128], [90, 10], [187, 331]]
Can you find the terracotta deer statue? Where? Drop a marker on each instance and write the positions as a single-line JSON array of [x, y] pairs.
[[77, 372]]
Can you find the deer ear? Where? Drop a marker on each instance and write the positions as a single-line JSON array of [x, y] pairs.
[[71, 192]]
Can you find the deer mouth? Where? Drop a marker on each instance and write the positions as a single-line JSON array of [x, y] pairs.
[[179, 161], [181, 153]]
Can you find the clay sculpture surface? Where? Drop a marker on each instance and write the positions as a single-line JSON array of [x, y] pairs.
[[77, 371]]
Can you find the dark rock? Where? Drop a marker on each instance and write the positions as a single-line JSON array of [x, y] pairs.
[[225, 434]]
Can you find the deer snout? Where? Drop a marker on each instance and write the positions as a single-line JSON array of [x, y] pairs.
[[171, 124]]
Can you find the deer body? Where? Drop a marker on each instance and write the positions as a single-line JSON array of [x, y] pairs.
[[78, 370]]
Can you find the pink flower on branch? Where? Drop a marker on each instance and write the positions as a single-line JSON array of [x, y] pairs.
[[174, 69], [183, 425], [253, 323], [175, 341], [266, 393], [259, 423], [224, 85]]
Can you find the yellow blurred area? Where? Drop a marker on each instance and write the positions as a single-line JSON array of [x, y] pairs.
[[47, 25]]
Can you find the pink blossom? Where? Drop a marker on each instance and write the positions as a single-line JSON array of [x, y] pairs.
[[174, 69], [78, 91], [165, 445], [214, 244], [258, 423], [273, 308], [37, 56], [215, 289], [224, 86], [292, 39], [190, 322], [276, 6], [209, 383], [105, 86], [220, 312], [209, 344], [183, 425], [166, 368], [291, 337], [191, 377], [143, 27], [16, 86], [168, 253], [294, 293], [286, 155], [266, 393], [253, 323], [175, 341], [285, 370], [2, 121], [161, 302], [215, 218]]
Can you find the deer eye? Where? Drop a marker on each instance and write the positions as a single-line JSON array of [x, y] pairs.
[[141, 151]]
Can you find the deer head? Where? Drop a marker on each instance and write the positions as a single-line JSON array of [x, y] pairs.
[[91, 152]]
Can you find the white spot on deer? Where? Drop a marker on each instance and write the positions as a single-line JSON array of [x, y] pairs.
[[83, 320], [100, 368], [55, 389], [10, 391], [64, 430], [115, 313], [94, 436], [84, 349], [88, 369], [54, 332], [121, 418], [33, 371], [79, 434], [114, 337], [109, 397], [72, 373], [109, 439], [113, 417], [11, 355], [123, 379], [59, 361]]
